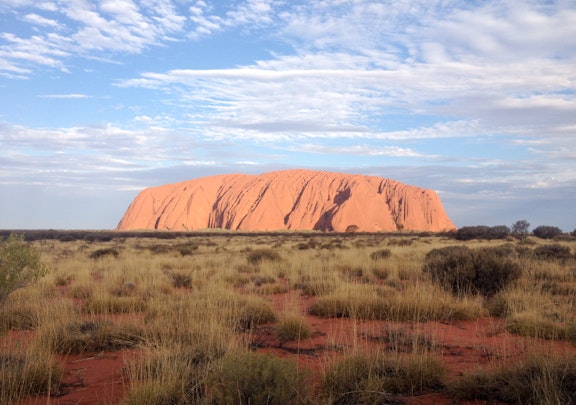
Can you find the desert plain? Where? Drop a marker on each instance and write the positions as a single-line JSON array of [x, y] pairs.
[[223, 317]]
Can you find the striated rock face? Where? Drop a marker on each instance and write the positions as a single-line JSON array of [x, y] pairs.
[[290, 199]]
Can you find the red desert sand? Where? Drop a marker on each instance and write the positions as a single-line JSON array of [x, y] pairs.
[[290, 199]]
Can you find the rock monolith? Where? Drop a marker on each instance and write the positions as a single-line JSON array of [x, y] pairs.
[[289, 199]]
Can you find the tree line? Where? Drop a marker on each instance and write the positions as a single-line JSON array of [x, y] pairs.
[[519, 229]]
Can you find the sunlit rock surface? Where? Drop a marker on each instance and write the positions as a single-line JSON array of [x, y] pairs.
[[289, 199]]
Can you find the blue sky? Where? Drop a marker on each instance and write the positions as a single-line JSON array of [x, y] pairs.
[[102, 98]]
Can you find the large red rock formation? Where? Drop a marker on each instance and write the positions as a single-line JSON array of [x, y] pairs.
[[290, 199]]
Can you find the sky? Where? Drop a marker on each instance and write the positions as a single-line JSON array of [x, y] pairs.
[[100, 99]]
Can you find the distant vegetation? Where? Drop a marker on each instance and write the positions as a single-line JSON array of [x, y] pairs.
[[519, 229]]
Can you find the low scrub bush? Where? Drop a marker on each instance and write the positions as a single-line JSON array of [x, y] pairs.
[[546, 232], [399, 340], [88, 336], [482, 232], [28, 373], [461, 270], [259, 255], [554, 251], [292, 328], [399, 242], [359, 379], [537, 380], [380, 273], [315, 287], [350, 272], [181, 280], [249, 312], [535, 325], [124, 290], [104, 252], [80, 290], [252, 378], [27, 310], [380, 254], [172, 375], [111, 304], [410, 305]]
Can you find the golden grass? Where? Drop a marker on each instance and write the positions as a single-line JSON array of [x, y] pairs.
[[30, 371], [191, 306]]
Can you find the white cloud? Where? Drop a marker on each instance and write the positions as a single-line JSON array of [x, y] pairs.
[[88, 29], [39, 20], [362, 150], [64, 96]]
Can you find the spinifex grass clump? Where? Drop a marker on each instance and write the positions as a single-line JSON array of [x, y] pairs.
[[88, 336], [380, 254], [31, 372], [292, 328], [534, 381], [252, 378], [27, 309], [414, 304], [363, 379], [166, 375], [259, 255], [105, 302], [100, 253]]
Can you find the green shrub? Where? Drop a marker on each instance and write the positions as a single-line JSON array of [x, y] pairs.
[[482, 232], [252, 378], [546, 232], [19, 265], [451, 267], [493, 273], [461, 270]]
